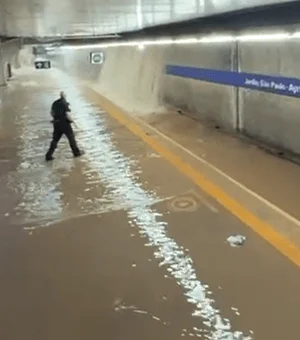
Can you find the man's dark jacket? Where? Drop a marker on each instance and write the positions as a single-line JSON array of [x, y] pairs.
[[59, 111]]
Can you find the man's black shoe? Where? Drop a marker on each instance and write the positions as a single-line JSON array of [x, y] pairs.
[[49, 158], [81, 153]]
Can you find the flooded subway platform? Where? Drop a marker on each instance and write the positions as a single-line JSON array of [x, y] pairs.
[[119, 243]]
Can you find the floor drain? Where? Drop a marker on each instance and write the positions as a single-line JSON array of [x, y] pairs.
[[184, 203]]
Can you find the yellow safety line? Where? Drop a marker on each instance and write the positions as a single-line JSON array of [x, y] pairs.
[[261, 227]]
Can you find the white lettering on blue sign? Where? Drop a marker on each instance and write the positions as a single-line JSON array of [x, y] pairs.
[[261, 83], [264, 84], [276, 86], [252, 82], [280, 85], [294, 89]]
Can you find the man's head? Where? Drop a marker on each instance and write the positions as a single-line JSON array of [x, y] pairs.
[[62, 95]]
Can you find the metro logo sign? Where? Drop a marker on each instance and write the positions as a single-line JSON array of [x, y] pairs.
[[97, 58]]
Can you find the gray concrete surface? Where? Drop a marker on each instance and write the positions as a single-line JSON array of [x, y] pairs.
[[9, 53], [76, 63], [246, 172], [137, 77], [197, 98], [114, 244], [143, 88], [268, 117]]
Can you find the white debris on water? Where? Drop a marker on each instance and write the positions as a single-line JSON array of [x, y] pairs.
[[153, 155], [155, 318], [119, 305], [116, 173], [140, 311], [236, 240], [235, 310], [25, 165], [36, 184]]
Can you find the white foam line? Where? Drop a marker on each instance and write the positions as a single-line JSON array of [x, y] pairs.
[[116, 174], [220, 172]]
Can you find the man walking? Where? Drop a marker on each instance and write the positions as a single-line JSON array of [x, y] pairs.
[[62, 126]]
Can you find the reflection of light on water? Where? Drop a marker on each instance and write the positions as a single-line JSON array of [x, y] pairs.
[[115, 172]]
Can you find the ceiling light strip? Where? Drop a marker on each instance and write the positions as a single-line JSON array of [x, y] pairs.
[[192, 40]]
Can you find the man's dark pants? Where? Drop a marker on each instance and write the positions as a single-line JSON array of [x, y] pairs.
[[60, 129]]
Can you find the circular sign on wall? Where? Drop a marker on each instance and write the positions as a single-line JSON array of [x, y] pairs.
[[97, 57]]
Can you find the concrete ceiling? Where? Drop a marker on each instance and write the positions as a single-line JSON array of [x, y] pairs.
[[100, 17]]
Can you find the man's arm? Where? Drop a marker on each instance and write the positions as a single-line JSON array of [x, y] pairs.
[[67, 106], [52, 112], [69, 118], [68, 110]]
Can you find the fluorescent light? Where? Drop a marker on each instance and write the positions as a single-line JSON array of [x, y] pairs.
[[158, 42], [217, 39], [191, 40], [76, 47], [295, 35], [186, 41], [264, 37]]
